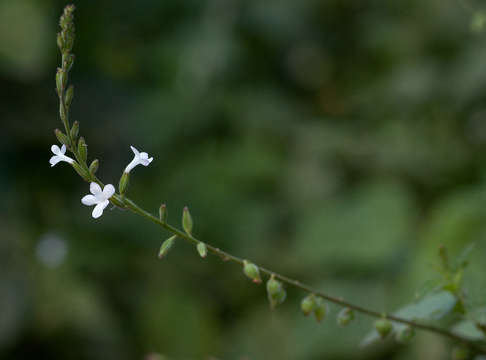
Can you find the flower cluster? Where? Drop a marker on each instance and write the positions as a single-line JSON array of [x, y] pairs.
[[99, 198]]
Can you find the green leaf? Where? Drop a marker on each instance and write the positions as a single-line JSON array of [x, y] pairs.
[[468, 329]]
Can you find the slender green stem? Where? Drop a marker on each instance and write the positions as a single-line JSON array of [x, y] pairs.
[[229, 257]]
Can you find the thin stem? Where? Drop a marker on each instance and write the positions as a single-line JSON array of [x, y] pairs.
[[229, 257]]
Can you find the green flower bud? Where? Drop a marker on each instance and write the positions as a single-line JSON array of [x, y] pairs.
[[82, 149], [202, 249], [60, 42], [405, 334], [123, 184], [308, 304], [320, 310], [345, 316], [187, 221], [68, 99], [275, 291], [60, 80], [63, 139], [163, 213], [383, 327], [166, 246], [75, 130], [80, 171], [93, 168], [251, 270], [68, 62]]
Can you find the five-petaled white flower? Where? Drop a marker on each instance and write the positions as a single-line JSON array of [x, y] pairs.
[[139, 158], [59, 155], [99, 198]]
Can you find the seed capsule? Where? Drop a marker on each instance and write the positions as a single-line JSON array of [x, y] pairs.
[[345, 316], [166, 246], [308, 304], [202, 249], [251, 270], [187, 221], [320, 310], [383, 327], [275, 291]]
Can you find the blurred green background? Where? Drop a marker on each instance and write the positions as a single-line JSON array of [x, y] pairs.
[[336, 141]]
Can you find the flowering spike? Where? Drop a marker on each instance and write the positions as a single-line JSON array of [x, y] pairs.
[[252, 271], [98, 197], [308, 304], [75, 130], [166, 246], [320, 310], [345, 316], [140, 158], [202, 249], [187, 221], [63, 139], [93, 168], [383, 326], [405, 334], [82, 149], [275, 292], [163, 213], [123, 184]]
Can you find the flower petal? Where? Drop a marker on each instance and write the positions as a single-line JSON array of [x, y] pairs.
[[63, 149], [98, 210], [54, 160], [135, 151], [55, 149], [143, 155], [108, 191], [94, 188], [89, 200]]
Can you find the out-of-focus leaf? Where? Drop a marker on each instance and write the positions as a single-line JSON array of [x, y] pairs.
[[431, 308], [468, 329]]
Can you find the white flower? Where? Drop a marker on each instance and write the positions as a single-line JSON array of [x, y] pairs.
[[140, 158], [99, 198], [59, 155]]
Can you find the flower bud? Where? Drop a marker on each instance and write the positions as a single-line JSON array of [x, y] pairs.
[[345, 316], [123, 184], [60, 81], [68, 99], [68, 63], [251, 270], [320, 310], [202, 249], [163, 213], [80, 171], [75, 130], [166, 246], [275, 291], [82, 149], [383, 327], [405, 334], [308, 304], [60, 42], [63, 139], [187, 221], [93, 168]]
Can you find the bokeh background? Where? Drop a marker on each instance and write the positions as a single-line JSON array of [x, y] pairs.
[[336, 141]]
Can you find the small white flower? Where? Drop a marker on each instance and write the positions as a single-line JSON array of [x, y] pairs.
[[59, 155], [140, 158], [99, 198]]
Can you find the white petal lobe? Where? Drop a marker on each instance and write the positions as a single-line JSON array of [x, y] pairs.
[[108, 191], [89, 200], [94, 188]]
